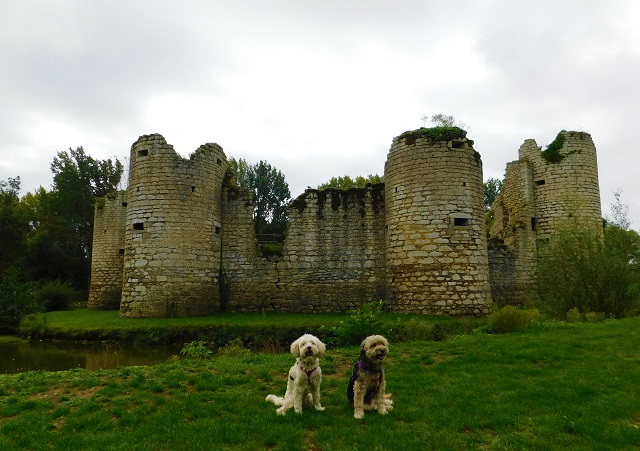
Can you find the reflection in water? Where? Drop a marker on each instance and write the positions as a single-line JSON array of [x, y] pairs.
[[17, 356]]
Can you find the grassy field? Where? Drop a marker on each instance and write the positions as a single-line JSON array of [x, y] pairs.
[[556, 386]]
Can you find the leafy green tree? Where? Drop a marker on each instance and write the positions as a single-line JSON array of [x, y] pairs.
[[346, 182], [13, 225], [16, 300], [59, 245], [270, 193], [492, 188], [579, 270]]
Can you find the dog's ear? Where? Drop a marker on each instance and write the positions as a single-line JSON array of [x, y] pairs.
[[322, 348], [295, 348], [363, 345]]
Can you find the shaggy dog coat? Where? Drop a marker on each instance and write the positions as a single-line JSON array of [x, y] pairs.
[[305, 376], [366, 389]]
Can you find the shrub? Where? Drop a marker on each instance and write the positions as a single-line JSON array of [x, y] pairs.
[[196, 350], [56, 295], [16, 301], [363, 322], [509, 319], [574, 315], [582, 270], [594, 317]]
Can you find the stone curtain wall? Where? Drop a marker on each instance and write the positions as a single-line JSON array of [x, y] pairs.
[[334, 253], [251, 282], [108, 252], [436, 257], [173, 226], [333, 256]]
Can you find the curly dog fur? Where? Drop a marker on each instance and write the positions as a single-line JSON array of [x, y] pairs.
[[366, 388], [305, 376]]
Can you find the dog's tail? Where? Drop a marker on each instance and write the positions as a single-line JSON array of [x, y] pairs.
[[277, 400]]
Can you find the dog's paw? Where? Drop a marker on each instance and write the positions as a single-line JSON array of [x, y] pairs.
[[281, 411], [320, 408], [383, 411], [358, 415]]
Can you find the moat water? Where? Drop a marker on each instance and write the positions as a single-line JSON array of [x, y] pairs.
[[18, 356]]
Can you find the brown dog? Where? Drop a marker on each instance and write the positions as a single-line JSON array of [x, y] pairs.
[[366, 389]]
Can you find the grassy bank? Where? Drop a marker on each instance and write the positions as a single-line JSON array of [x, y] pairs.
[[256, 330], [557, 386]]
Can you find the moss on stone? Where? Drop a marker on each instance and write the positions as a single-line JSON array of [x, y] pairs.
[[433, 134], [552, 153]]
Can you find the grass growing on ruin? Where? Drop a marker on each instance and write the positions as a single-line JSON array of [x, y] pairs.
[[556, 386]]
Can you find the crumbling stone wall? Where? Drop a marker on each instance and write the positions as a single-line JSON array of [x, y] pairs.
[[437, 260], [181, 240], [539, 193], [107, 258]]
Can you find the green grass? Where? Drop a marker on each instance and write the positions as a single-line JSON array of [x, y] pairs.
[[254, 329], [557, 386]]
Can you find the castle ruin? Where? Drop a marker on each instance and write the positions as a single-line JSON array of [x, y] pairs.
[[180, 241]]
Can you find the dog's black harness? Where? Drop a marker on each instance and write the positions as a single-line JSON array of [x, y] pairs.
[[369, 368]]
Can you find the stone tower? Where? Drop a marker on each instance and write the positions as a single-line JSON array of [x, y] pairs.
[[542, 190], [436, 248], [173, 226], [108, 251]]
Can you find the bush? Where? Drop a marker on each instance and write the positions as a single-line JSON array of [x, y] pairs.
[[581, 270], [196, 350], [363, 322], [56, 295], [574, 316], [509, 319], [16, 301]]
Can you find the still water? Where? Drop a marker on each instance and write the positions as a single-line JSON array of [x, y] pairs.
[[17, 356]]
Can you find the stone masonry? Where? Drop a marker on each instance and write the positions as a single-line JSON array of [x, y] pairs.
[[180, 241], [537, 196]]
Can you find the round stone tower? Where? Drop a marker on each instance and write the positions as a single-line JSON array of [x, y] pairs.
[[565, 182], [108, 252], [173, 226], [436, 245]]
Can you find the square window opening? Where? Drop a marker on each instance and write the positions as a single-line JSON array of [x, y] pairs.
[[540, 182], [138, 226], [143, 152], [461, 222]]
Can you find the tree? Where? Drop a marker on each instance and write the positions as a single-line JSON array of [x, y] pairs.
[[62, 219], [442, 120], [346, 182], [492, 188], [270, 193], [13, 225]]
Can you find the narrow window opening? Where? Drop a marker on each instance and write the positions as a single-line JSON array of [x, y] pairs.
[[124, 204], [461, 222], [193, 189], [540, 182], [464, 183], [138, 226], [105, 230], [534, 224], [121, 251], [218, 161], [217, 230], [457, 144], [143, 152]]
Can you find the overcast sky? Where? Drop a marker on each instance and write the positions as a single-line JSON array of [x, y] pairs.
[[318, 88]]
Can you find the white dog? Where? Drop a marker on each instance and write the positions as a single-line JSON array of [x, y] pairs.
[[303, 384]]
